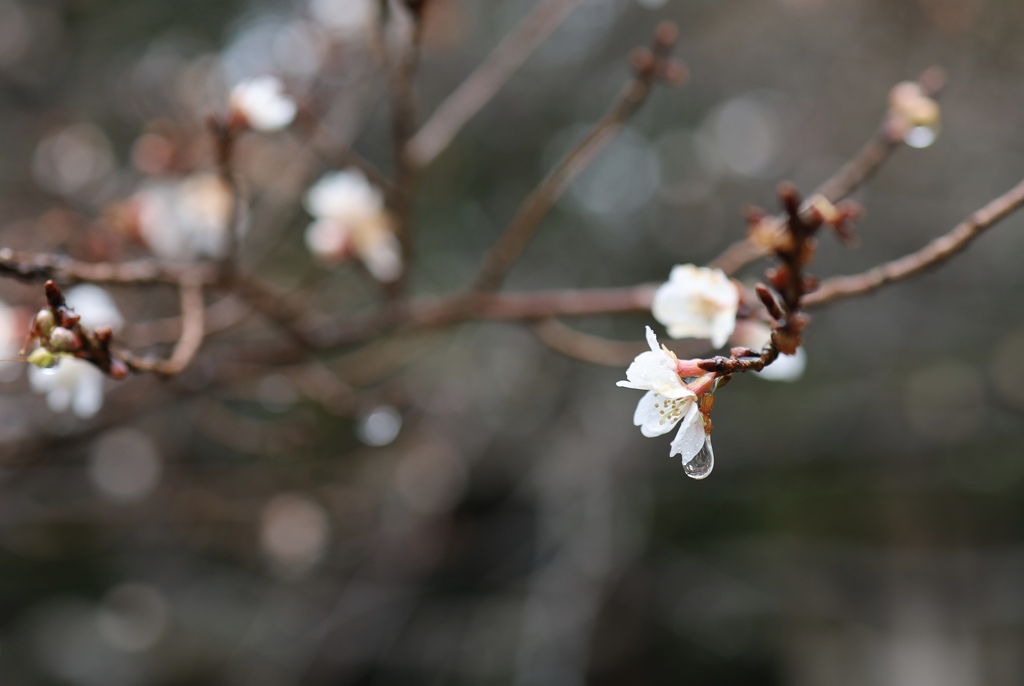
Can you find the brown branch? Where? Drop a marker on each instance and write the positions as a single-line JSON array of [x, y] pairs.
[[432, 312], [934, 253], [584, 346], [481, 86], [30, 267], [403, 127], [648, 67], [193, 322], [886, 140]]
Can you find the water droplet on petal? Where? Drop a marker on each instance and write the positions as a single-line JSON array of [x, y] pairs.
[[701, 464], [920, 137]]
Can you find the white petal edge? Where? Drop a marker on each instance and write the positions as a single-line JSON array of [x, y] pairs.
[[786, 367], [690, 438]]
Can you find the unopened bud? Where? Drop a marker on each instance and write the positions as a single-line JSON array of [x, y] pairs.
[[912, 108], [118, 369], [43, 358], [63, 340], [44, 322]]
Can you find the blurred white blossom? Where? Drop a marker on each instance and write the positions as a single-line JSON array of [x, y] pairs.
[[350, 219], [73, 384], [186, 218], [10, 342], [347, 18], [262, 103], [667, 402], [697, 302], [756, 335], [95, 307]]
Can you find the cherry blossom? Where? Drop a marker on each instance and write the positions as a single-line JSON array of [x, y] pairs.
[[186, 218], [261, 103], [697, 302], [11, 336], [668, 401], [350, 219]]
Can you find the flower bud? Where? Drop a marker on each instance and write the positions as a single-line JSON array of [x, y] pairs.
[[43, 358], [63, 340], [44, 322]]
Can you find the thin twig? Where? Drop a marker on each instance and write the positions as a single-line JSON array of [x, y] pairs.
[[932, 254], [193, 323], [481, 86], [586, 347], [851, 176], [648, 67], [31, 267], [403, 126]]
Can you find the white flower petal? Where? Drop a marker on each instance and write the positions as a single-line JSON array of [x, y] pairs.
[[381, 252], [652, 340], [87, 397], [72, 383], [786, 367], [697, 302], [94, 306], [344, 195], [690, 438], [655, 371], [263, 103], [722, 327], [327, 238], [654, 414]]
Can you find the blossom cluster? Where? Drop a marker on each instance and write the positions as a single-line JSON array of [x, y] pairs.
[[702, 303]]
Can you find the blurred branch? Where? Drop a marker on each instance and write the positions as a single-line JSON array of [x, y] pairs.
[[851, 176], [27, 266], [648, 65], [931, 255], [403, 127], [488, 78], [193, 323], [582, 346]]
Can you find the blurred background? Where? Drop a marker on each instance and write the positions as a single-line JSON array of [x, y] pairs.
[[486, 513]]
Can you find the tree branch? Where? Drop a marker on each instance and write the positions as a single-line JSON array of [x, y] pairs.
[[484, 83], [931, 255], [648, 67], [851, 176], [193, 322]]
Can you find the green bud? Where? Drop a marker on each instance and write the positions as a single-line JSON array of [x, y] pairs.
[[43, 358]]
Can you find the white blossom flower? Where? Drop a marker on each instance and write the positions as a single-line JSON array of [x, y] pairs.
[[10, 341], [756, 335], [186, 218], [73, 383], [348, 18], [668, 400], [76, 384], [262, 103], [350, 218], [95, 307], [697, 302]]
